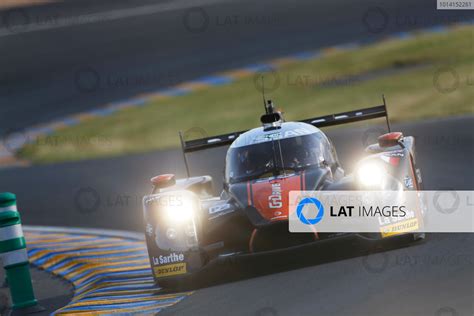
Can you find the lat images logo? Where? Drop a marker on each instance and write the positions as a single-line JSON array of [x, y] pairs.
[[305, 203]]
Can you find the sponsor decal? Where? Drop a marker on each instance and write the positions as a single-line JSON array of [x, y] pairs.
[[399, 153], [149, 229], [408, 182], [170, 269], [151, 198], [218, 208], [270, 196], [400, 228], [275, 200], [171, 258], [275, 178], [281, 135]]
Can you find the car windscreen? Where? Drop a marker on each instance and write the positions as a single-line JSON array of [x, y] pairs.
[[275, 156]]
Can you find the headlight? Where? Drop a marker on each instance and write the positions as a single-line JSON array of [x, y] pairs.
[[370, 174], [176, 216], [182, 210]]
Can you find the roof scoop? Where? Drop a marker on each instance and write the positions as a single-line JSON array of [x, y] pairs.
[[271, 119]]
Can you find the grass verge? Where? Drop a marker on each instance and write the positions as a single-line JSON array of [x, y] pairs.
[[429, 75]]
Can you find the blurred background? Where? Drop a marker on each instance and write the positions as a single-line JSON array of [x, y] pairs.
[[93, 94]]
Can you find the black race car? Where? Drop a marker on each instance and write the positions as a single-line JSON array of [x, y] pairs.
[[187, 227]]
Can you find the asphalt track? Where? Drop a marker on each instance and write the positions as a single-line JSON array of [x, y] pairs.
[[51, 292], [434, 278]]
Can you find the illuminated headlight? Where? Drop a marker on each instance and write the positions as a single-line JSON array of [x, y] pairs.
[[370, 174], [177, 220], [181, 211]]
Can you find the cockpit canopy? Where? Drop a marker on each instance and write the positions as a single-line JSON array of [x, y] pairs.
[[261, 153]]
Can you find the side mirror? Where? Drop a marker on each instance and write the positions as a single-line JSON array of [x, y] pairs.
[[390, 139], [162, 181]]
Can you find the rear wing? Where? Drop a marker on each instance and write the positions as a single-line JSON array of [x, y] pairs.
[[321, 121]]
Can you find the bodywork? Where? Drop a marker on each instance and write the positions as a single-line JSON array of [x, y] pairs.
[[251, 214]]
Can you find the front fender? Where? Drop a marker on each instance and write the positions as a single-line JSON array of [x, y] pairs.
[[173, 227]]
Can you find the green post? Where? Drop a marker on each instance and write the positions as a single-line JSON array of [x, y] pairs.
[[14, 255]]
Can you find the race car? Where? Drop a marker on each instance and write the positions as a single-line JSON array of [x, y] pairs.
[[187, 228]]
